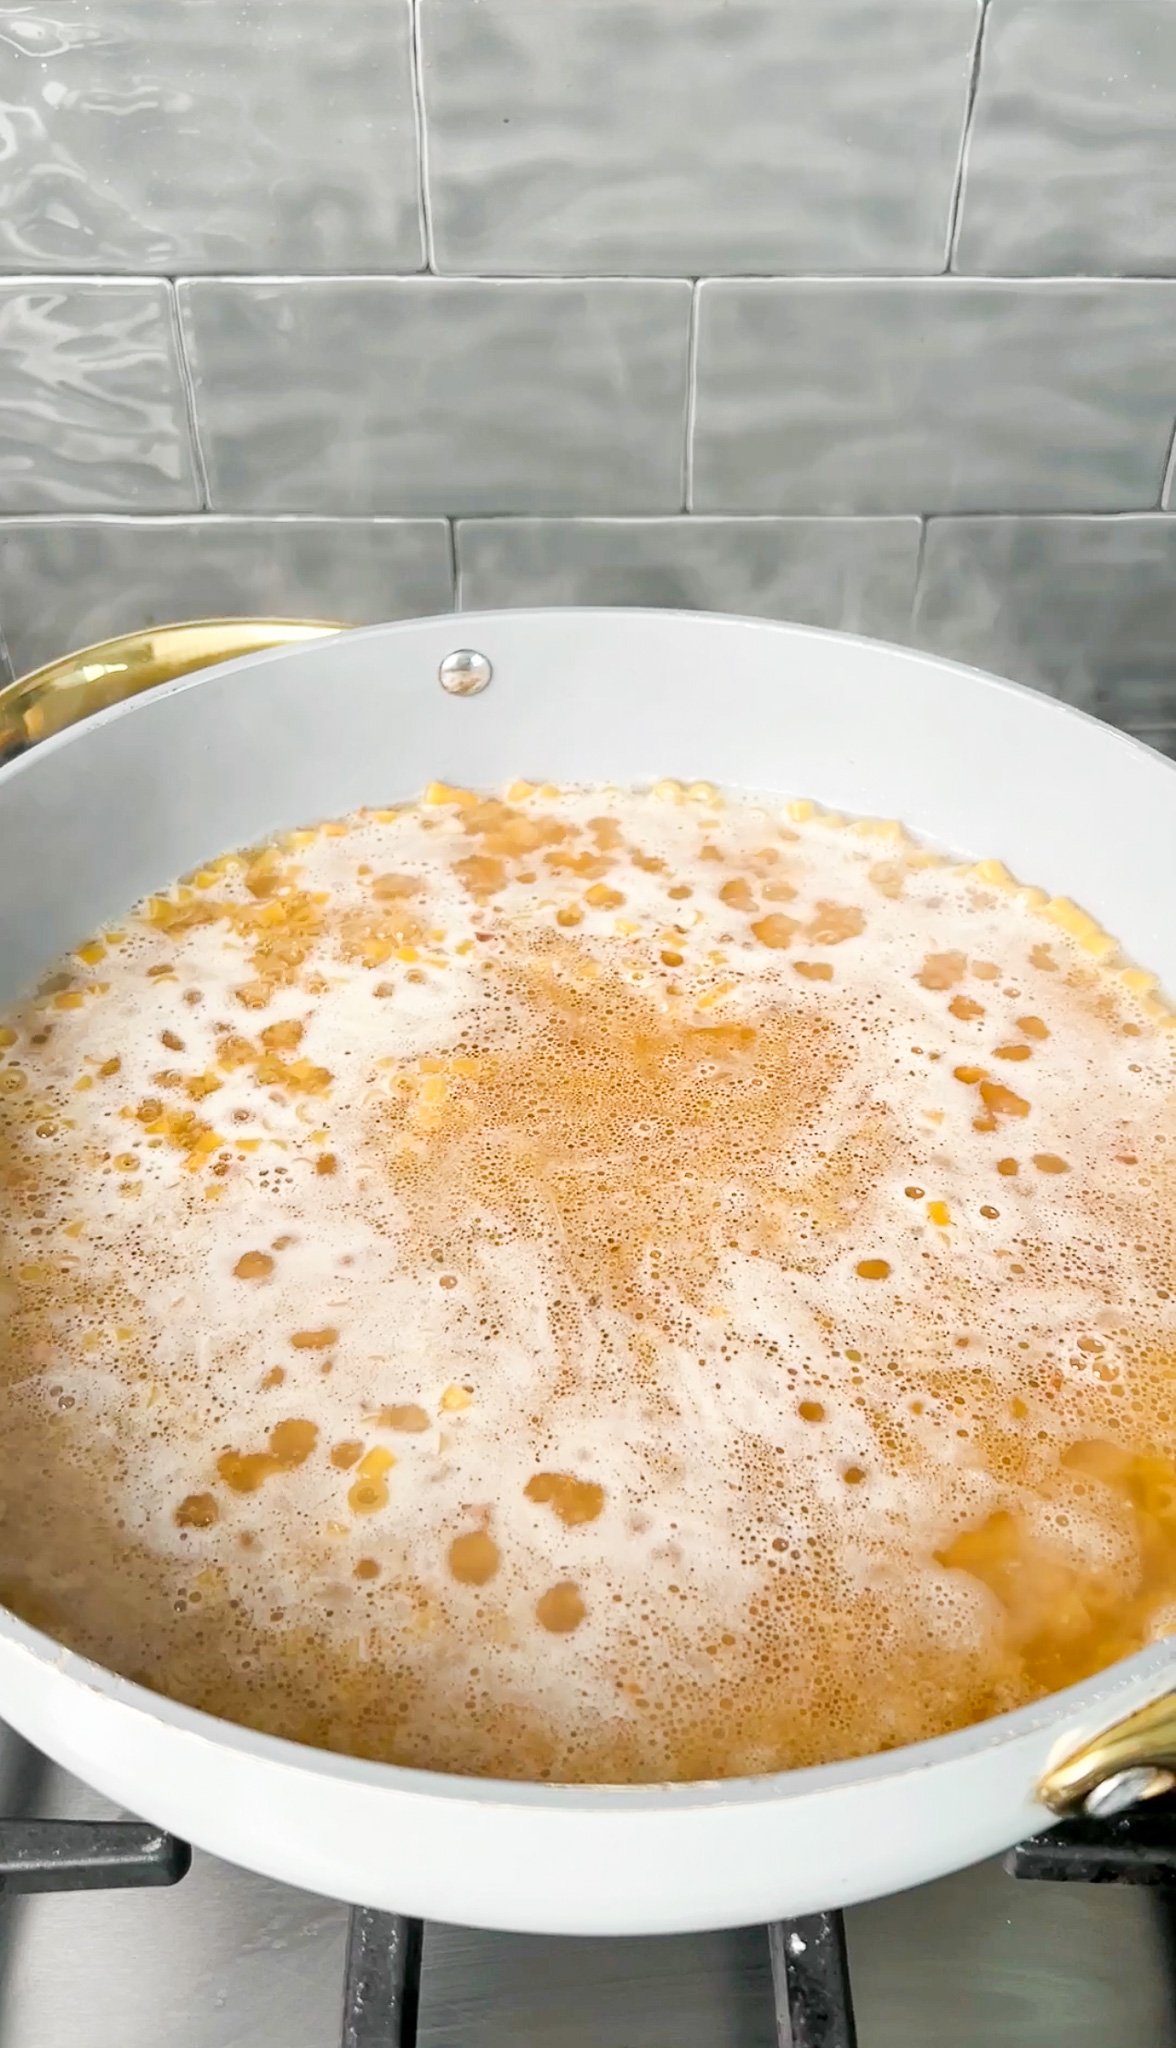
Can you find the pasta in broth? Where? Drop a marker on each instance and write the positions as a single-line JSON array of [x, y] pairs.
[[565, 1284]]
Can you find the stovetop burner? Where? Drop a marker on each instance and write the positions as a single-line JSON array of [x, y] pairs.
[[381, 1991]]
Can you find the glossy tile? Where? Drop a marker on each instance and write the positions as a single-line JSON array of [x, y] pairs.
[[1084, 608], [856, 574], [429, 395], [945, 395], [208, 135], [628, 135], [1072, 158], [65, 583], [1145, 707], [92, 408]]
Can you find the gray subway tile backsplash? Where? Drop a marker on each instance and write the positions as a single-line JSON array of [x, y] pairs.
[[933, 395], [855, 574], [66, 582], [1072, 159], [164, 135], [773, 306], [424, 395], [92, 407], [1084, 608], [634, 135]]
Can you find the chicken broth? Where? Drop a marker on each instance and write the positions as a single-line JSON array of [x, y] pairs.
[[592, 1284]]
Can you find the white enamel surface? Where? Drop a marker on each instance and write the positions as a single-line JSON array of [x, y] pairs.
[[541, 1859], [92, 819]]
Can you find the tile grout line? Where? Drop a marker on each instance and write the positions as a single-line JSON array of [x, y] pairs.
[[1031, 280], [691, 400], [128, 516], [920, 554], [424, 193], [955, 212], [454, 563], [188, 385]]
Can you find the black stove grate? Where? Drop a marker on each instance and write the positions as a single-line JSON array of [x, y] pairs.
[[810, 1982], [87, 1856], [381, 1995], [382, 1980], [1133, 1848]]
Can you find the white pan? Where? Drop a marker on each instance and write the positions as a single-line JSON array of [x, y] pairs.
[[96, 816]]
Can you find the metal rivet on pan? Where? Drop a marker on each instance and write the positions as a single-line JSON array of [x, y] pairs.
[[464, 672], [1126, 1788]]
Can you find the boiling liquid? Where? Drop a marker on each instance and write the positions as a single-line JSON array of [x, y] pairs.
[[592, 1285]]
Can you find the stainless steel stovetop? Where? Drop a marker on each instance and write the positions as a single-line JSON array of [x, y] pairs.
[[227, 1960]]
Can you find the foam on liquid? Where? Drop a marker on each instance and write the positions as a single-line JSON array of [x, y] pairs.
[[591, 1285]]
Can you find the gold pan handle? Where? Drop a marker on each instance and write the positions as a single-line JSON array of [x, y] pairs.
[[1134, 1760], [63, 692]]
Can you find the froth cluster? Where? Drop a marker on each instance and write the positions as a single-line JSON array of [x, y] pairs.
[[565, 1284]]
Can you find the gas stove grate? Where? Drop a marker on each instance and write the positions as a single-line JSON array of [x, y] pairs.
[[1134, 1848], [88, 1856], [382, 1981], [381, 1994]]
